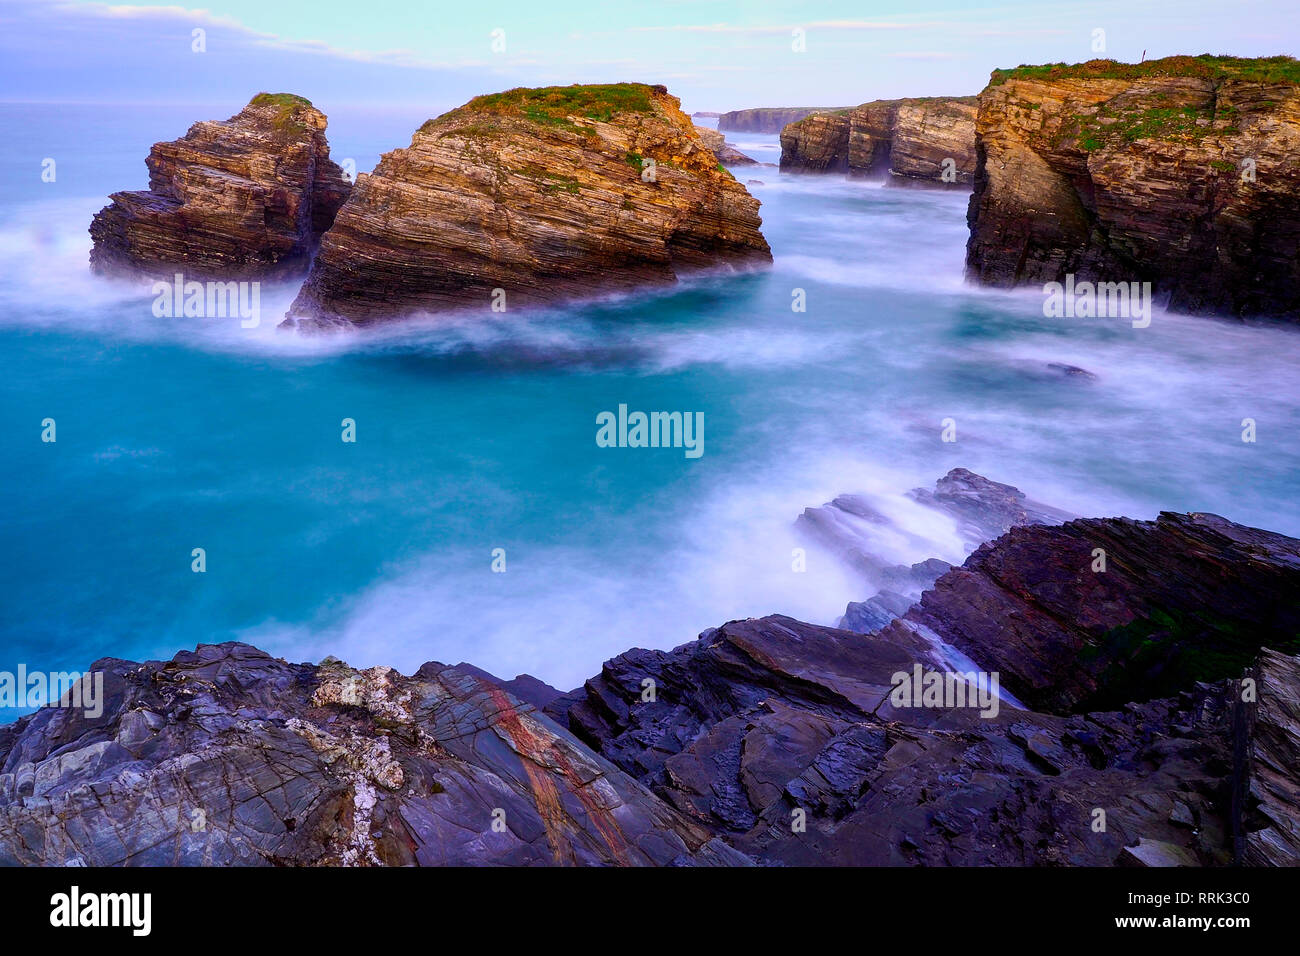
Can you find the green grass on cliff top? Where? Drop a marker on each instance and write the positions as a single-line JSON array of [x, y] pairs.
[[1272, 69], [283, 100], [557, 104]]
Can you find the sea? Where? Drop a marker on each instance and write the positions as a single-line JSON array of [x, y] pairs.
[[475, 517]]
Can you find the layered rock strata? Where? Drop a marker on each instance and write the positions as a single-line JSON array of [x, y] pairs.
[[533, 196], [1182, 172], [245, 198], [727, 154], [907, 142]]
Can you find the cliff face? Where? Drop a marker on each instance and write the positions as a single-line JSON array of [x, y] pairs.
[[1183, 598], [766, 740], [768, 119], [545, 194], [907, 141], [245, 198], [1184, 172]]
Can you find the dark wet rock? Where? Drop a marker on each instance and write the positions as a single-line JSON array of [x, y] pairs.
[[765, 740], [762, 721], [1071, 371], [524, 686], [1272, 756], [1184, 598], [226, 756], [856, 532], [986, 509]]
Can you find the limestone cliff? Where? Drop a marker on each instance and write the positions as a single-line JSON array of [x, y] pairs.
[[766, 119], [1184, 172], [244, 198], [543, 194], [908, 141]]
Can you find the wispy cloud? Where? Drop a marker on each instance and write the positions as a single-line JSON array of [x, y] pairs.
[[740, 29]]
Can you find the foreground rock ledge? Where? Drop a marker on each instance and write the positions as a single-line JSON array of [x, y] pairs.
[[544, 194], [226, 756], [245, 198]]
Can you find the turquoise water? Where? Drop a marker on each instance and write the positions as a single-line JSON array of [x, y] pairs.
[[478, 433]]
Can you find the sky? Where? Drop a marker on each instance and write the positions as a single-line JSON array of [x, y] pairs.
[[714, 55]]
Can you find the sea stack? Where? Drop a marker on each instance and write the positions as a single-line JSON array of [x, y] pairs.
[[532, 196], [244, 198], [1184, 172], [917, 141]]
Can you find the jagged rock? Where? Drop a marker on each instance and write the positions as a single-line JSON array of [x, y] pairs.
[[816, 144], [760, 719], [857, 534], [226, 756], [727, 155], [524, 686], [1273, 837], [767, 740], [1157, 853], [768, 119], [985, 509], [907, 141], [532, 196], [1184, 172], [1184, 598], [245, 198]]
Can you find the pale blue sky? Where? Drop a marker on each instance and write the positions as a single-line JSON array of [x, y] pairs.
[[715, 55]]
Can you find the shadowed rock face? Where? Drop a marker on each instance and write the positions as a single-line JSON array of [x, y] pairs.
[[1183, 172], [245, 198], [766, 740], [760, 719], [1183, 598], [543, 194], [227, 756], [907, 141]]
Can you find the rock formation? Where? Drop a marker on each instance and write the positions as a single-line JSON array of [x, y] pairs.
[[727, 154], [759, 719], [709, 753], [1184, 172], [227, 756], [1181, 599], [856, 534], [768, 119], [533, 196], [908, 141], [245, 198]]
